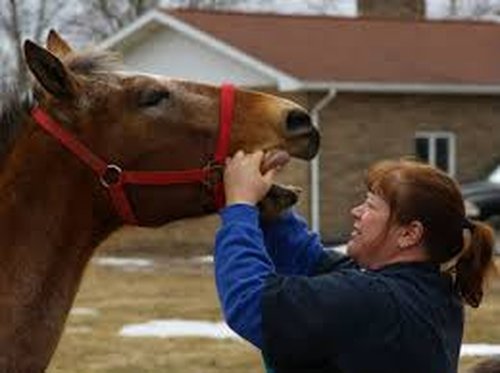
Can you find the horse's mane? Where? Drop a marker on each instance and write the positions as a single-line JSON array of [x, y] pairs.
[[15, 105], [93, 62]]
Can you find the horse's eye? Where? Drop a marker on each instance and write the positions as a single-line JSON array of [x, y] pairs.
[[153, 97]]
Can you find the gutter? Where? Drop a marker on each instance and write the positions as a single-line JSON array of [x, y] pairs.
[[314, 170], [404, 88]]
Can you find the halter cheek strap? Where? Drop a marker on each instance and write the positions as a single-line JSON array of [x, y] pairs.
[[114, 179]]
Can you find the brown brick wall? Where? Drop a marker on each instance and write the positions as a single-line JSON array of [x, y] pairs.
[[359, 129]]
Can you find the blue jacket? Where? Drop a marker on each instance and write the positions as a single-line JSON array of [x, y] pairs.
[[313, 311]]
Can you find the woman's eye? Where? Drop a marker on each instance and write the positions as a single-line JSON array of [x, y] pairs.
[[153, 97]]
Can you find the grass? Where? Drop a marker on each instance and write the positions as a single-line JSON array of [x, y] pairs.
[[174, 289], [482, 324], [180, 289]]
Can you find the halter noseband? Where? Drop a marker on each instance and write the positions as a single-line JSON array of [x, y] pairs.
[[113, 178]]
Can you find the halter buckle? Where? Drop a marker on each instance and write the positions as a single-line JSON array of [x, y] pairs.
[[214, 174], [111, 176]]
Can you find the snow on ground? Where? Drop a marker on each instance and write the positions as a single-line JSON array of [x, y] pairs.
[[176, 328], [130, 264], [179, 328], [196, 328], [149, 264], [209, 259], [480, 349], [84, 311]]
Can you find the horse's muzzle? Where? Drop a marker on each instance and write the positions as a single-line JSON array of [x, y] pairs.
[[314, 142], [299, 127]]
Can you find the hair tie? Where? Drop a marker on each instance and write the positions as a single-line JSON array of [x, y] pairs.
[[468, 224]]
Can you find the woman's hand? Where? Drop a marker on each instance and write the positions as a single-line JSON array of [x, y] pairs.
[[243, 181]]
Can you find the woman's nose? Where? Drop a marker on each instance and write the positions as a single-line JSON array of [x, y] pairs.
[[356, 211]]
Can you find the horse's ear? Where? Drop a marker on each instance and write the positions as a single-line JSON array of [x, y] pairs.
[[49, 71], [57, 45]]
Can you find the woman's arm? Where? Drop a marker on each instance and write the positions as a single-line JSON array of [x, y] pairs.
[[293, 248], [241, 268]]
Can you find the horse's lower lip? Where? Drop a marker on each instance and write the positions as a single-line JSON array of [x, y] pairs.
[[313, 146], [274, 159]]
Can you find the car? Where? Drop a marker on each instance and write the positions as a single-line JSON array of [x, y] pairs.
[[482, 198], [482, 201]]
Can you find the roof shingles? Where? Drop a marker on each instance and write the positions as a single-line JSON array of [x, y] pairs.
[[322, 48]]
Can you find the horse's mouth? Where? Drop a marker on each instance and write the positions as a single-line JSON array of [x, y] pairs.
[[280, 197], [274, 159]]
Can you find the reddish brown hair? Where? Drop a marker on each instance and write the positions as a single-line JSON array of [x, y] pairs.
[[420, 192]]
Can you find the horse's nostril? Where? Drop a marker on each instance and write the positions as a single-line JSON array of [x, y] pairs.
[[297, 120]]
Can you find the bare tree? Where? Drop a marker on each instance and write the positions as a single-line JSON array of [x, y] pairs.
[[473, 9], [22, 19], [94, 20], [209, 4], [97, 19], [80, 20]]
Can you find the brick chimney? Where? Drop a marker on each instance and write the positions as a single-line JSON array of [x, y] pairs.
[[403, 9]]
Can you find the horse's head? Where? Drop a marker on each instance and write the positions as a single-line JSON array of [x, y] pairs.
[[152, 123]]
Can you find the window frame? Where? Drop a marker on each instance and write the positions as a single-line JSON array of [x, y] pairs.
[[431, 137]]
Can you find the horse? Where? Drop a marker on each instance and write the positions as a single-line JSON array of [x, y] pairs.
[[98, 148]]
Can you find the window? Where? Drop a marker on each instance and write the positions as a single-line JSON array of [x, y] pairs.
[[437, 149]]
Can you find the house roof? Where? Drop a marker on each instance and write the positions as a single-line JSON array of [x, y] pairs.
[[365, 54], [322, 48]]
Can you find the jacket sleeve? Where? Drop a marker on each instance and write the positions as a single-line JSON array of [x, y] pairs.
[[241, 267], [293, 248]]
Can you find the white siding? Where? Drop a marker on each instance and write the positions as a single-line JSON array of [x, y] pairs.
[[170, 53]]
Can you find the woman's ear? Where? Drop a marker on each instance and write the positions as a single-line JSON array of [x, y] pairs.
[[410, 235]]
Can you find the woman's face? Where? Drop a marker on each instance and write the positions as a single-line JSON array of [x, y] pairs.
[[371, 240]]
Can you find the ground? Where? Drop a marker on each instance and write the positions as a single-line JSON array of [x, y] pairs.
[[112, 297]]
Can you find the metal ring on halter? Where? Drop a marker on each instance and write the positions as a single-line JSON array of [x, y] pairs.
[[111, 176], [215, 172]]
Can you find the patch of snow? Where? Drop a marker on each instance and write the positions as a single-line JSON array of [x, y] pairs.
[[203, 259], [124, 263], [480, 349], [179, 328], [84, 311]]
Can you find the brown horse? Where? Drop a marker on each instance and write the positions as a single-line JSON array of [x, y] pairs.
[[54, 209]]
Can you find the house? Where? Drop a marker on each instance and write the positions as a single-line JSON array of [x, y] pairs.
[[378, 86]]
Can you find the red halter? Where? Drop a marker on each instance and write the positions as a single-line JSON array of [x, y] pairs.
[[113, 178]]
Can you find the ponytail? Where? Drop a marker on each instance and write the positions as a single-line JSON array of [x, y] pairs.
[[475, 263]]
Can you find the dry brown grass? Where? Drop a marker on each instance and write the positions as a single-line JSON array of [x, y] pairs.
[[174, 289], [179, 289], [483, 324]]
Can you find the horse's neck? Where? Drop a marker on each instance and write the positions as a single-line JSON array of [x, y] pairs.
[[48, 229]]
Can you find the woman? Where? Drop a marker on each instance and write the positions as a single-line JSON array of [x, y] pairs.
[[394, 304]]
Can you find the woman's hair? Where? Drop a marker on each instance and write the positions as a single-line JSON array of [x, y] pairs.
[[420, 192]]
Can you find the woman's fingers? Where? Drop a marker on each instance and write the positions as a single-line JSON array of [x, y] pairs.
[[243, 179]]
